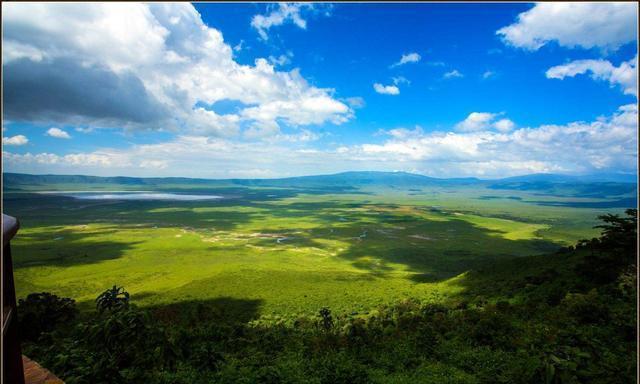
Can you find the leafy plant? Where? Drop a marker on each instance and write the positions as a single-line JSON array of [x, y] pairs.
[[326, 320], [114, 298]]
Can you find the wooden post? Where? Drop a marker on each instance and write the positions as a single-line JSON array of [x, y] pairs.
[[12, 370]]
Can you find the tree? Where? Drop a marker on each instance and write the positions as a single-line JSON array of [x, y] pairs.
[[619, 233], [614, 251]]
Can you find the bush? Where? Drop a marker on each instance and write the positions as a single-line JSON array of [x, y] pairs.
[[340, 368], [42, 312], [122, 347], [586, 308], [112, 299], [326, 320], [495, 330]]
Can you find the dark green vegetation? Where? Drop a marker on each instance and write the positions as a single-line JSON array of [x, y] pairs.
[[541, 319], [357, 277]]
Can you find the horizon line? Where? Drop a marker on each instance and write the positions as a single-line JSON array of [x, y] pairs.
[[335, 174]]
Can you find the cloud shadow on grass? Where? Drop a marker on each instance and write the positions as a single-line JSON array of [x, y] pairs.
[[447, 249], [226, 310], [64, 248]]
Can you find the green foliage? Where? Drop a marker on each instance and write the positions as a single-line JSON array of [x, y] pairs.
[[614, 250], [120, 347], [42, 312], [326, 321], [586, 308], [573, 342], [429, 295], [112, 299], [619, 233], [417, 238]]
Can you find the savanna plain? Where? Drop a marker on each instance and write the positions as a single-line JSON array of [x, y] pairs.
[[330, 249]]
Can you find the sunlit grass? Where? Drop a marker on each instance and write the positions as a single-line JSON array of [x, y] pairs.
[[295, 254]]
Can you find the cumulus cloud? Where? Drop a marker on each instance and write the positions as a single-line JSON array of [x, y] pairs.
[[149, 66], [581, 24], [407, 58], [476, 121], [283, 13], [57, 133], [607, 144], [504, 125], [482, 121], [625, 75], [15, 140], [453, 74], [65, 90], [386, 89]]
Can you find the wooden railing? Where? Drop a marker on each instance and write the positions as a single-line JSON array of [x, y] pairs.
[[12, 369]]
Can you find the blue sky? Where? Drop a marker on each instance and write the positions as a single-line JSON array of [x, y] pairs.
[[271, 90]]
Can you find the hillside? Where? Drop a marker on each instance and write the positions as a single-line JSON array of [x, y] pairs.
[[586, 186], [567, 317]]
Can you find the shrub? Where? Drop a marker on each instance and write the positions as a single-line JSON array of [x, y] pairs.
[[586, 308], [121, 347], [326, 320], [42, 312], [112, 299], [493, 329], [340, 368]]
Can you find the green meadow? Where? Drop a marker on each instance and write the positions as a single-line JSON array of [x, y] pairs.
[[352, 278], [287, 250]]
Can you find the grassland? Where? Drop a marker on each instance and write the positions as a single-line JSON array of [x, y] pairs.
[[285, 251]]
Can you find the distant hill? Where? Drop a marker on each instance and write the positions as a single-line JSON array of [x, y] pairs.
[[587, 186], [362, 178], [557, 178]]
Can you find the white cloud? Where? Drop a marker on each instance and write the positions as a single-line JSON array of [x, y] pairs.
[[163, 60], [504, 125], [453, 74], [476, 121], [282, 59], [404, 133], [407, 58], [79, 160], [284, 13], [356, 102], [83, 129], [154, 164], [482, 121], [386, 89], [400, 80], [625, 75], [607, 144], [57, 133], [488, 74], [15, 140], [579, 24]]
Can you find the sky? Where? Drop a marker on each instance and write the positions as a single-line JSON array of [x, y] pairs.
[[242, 90]]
